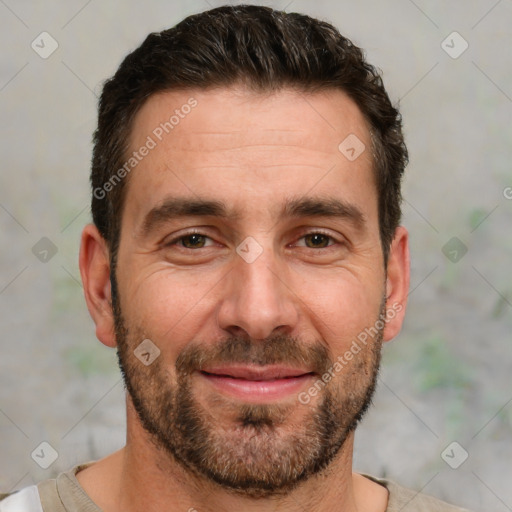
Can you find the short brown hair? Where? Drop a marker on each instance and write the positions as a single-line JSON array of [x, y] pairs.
[[265, 50]]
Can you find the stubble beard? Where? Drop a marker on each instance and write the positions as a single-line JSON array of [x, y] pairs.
[[268, 449]]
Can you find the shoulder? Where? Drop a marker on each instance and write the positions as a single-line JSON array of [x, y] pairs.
[[402, 499], [26, 499], [61, 494]]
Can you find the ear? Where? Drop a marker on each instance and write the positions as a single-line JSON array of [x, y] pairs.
[[95, 271], [397, 283]]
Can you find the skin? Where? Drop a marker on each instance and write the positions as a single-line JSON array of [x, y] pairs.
[[269, 148]]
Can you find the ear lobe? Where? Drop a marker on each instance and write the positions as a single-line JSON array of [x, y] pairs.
[[397, 283], [95, 271]]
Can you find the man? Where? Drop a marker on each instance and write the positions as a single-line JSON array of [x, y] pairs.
[[246, 259]]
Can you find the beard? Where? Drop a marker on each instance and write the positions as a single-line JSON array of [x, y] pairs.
[[254, 450]]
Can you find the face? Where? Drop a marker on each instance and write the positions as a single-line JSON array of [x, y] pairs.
[[250, 258]]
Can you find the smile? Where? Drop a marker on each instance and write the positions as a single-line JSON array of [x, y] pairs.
[[257, 384]]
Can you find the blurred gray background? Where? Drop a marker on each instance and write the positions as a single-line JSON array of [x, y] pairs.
[[445, 391]]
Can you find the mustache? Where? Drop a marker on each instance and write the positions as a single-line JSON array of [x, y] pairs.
[[279, 349]]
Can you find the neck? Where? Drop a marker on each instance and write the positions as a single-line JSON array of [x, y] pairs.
[[149, 471], [144, 477]]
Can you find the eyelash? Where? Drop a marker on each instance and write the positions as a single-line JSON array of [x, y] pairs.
[[177, 239]]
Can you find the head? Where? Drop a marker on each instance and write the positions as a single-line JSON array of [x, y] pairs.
[[233, 229]]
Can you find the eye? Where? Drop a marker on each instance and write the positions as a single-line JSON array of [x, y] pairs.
[[191, 241], [317, 240]]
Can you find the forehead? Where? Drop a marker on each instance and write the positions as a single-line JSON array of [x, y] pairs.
[[247, 147], [317, 120]]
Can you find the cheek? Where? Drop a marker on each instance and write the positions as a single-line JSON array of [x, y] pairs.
[[340, 305], [168, 305]]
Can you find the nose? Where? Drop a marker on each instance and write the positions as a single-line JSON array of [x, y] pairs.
[[257, 301]]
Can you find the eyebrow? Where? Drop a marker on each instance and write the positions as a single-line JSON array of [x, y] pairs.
[[323, 207], [174, 208]]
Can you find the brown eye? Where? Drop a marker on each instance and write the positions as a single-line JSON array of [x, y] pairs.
[[317, 240], [193, 241]]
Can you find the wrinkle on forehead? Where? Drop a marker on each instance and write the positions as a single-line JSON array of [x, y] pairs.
[[228, 118], [251, 147]]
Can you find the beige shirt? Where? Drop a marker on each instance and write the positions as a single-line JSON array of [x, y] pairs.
[[65, 494]]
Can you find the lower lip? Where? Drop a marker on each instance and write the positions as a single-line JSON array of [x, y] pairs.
[[258, 391]]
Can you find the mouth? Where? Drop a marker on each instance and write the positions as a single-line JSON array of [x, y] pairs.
[[255, 383]]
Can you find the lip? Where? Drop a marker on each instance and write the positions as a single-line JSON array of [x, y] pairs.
[[257, 384], [256, 373]]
